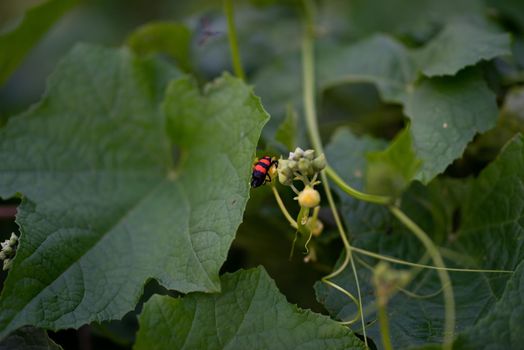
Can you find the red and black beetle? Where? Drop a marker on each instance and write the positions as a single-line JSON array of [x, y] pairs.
[[260, 171]]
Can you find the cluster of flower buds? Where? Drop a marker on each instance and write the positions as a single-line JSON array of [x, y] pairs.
[[8, 251], [304, 166], [300, 165]]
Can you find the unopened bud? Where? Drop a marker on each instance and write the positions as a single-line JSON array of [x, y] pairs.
[[309, 197], [283, 168], [297, 154], [319, 162], [304, 166], [13, 240], [293, 165], [309, 154], [316, 227], [8, 250], [283, 163], [284, 179], [2, 255], [7, 264]]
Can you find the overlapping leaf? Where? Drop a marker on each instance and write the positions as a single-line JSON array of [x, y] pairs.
[[105, 208], [250, 313], [489, 236], [445, 113]]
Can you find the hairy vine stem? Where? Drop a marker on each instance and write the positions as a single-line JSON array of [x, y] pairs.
[[371, 198], [384, 326], [308, 73], [233, 41], [283, 208]]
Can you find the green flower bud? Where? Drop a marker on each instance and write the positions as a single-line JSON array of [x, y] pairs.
[[13, 240], [283, 167], [2, 255], [7, 264], [309, 154], [293, 165], [309, 197], [305, 168], [8, 250], [283, 163], [319, 163], [284, 179], [297, 154]]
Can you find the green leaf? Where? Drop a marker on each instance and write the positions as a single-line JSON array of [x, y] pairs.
[[459, 45], [445, 114], [478, 225], [15, 45], [163, 37], [29, 338], [390, 171], [380, 60], [250, 313], [501, 328], [105, 208]]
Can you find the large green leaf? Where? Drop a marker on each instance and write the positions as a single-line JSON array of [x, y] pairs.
[[478, 224], [29, 338], [459, 45], [250, 313], [15, 45], [501, 328], [445, 114], [105, 208]]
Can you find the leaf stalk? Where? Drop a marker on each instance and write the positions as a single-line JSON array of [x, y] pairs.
[[308, 75], [233, 40]]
